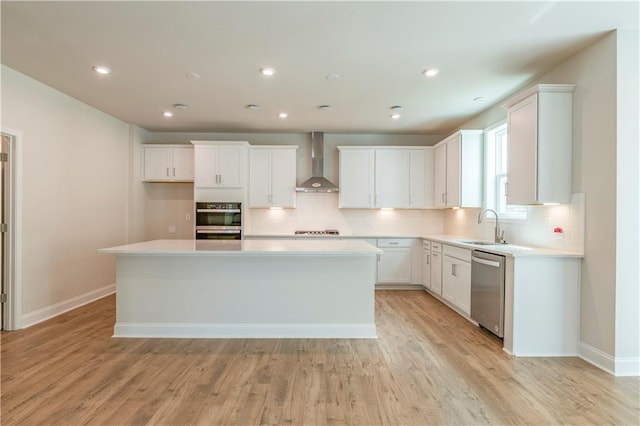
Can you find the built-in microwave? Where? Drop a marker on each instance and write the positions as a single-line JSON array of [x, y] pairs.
[[218, 221]]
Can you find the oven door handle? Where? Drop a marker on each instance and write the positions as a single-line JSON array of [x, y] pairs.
[[218, 211], [485, 262], [219, 231]]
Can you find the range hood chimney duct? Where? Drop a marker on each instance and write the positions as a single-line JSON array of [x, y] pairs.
[[317, 182]]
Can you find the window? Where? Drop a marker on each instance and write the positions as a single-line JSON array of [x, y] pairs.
[[496, 160]]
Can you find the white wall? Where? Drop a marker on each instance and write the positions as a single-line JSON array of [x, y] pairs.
[[627, 321], [597, 150], [74, 192]]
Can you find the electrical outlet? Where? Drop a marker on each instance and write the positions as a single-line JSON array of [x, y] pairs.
[[187, 217], [172, 229]]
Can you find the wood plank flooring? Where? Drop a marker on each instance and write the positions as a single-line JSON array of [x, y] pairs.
[[428, 366]]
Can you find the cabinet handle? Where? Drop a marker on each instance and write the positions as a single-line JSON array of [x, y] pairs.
[[174, 172], [393, 243], [453, 269], [167, 171], [506, 189], [220, 179], [446, 198], [428, 259]]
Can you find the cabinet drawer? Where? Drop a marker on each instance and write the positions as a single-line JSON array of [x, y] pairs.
[[436, 247], [458, 253], [426, 244], [395, 242]]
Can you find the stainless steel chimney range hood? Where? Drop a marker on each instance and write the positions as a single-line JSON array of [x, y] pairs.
[[317, 182]]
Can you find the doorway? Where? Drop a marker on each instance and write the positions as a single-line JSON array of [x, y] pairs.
[[9, 231]]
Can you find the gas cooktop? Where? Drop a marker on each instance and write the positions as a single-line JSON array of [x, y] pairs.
[[320, 232]]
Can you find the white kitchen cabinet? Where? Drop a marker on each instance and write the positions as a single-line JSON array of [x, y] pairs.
[[386, 177], [539, 126], [272, 176], [220, 164], [456, 277], [357, 178], [426, 264], [458, 170], [436, 268], [421, 178], [391, 178], [168, 163], [394, 264]]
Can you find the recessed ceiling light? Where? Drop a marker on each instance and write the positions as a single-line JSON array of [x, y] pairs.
[[167, 114], [324, 107], [253, 107], [430, 72], [283, 115], [333, 77], [180, 106], [479, 99], [101, 69], [192, 75], [267, 71], [395, 116]]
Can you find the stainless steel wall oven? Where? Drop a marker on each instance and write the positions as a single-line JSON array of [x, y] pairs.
[[218, 221]]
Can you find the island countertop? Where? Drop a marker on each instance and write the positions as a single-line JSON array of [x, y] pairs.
[[244, 247]]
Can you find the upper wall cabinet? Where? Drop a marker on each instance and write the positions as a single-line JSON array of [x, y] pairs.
[[220, 164], [458, 170], [539, 146], [168, 163], [386, 177], [272, 176]]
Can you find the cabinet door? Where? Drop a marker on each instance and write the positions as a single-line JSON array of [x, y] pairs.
[[260, 178], [452, 198], [449, 284], [206, 166], [356, 178], [230, 167], [440, 176], [436, 273], [183, 164], [417, 193], [157, 163], [283, 177], [522, 126], [463, 279], [426, 266], [394, 266], [392, 178]]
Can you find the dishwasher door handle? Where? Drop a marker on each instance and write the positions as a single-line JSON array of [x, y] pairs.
[[485, 262]]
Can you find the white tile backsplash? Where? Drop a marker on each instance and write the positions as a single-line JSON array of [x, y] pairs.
[[320, 211], [536, 230]]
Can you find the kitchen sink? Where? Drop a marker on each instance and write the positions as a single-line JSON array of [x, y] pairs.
[[478, 243]]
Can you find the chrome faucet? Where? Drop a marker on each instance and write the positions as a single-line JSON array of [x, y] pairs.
[[499, 235]]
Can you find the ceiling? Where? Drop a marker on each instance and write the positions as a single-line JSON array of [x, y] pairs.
[[378, 50]]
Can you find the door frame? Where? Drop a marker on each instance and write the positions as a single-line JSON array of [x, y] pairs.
[[12, 310]]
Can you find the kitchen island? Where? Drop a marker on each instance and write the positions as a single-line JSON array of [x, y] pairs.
[[245, 289]]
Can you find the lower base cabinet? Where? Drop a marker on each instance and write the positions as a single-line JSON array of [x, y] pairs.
[[394, 265], [456, 277]]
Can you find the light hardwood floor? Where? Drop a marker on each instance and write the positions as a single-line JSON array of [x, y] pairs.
[[428, 366]]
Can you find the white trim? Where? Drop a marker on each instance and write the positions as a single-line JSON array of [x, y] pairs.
[[628, 367], [14, 258], [51, 311], [246, 331], [595, 356]]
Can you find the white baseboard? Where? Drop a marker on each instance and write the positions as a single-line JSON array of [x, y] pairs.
[[51, 311], [612, 365], [247, 331]]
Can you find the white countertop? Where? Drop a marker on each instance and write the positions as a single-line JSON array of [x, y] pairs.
[[502, 249], [245, 247], [511, 250]]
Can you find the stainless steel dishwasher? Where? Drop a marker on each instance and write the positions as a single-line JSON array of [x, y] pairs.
[[487, 291]]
